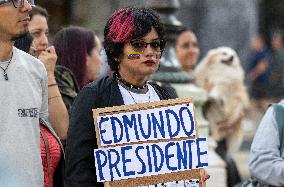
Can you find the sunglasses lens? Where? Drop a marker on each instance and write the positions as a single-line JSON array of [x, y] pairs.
[[138, 45], [157, 45]]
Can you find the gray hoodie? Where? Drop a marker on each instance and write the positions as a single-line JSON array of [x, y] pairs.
[[265, 163]]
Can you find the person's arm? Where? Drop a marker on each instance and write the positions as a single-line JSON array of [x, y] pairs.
[[81, 142], [58, 114], [260, 68], [265, 163]]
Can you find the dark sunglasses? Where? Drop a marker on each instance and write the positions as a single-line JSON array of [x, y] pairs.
[[140, 45], [17, 3]]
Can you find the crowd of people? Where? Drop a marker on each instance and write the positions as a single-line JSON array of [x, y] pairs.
[[47, 136]]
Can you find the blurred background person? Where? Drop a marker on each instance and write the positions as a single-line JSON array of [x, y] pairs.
[[78, 61], [104, 67], [276, 90], [258, 73], [266, 163], [187, 49]]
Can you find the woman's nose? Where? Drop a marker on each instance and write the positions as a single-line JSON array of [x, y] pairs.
[[43, 41]]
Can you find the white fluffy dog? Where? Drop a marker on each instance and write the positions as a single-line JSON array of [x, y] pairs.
[[221, 74]]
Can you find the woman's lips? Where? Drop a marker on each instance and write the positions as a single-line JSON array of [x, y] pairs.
[[149, 62]]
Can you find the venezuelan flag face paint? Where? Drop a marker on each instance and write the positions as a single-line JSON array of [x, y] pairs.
[[136, 55], [133, 55], [157, 55]]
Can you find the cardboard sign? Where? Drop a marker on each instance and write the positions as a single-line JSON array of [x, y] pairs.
[[148, 143]]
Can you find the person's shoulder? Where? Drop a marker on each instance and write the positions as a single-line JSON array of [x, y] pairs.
[[92, 94], [27, 59], [101, 84], [96, 88], [23, 55], [66, 80]]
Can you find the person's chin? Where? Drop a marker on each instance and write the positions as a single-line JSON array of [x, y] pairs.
[[20, 34], [152, 70]]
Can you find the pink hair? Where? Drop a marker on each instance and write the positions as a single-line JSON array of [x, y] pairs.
[[121, 29]]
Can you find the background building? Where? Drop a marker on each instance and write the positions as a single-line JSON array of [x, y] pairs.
[[219, 22]]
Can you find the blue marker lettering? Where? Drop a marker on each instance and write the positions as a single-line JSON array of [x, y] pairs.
[[101, 164], [189, 142], [159, 125], [168, 112], [188, 133], [113, 165], [199, 153], [156, 148], [140, 159], [125, 160], [146, 136], [149, 158], [116, 138], [130, 124], [182, 155], [168, 156], [102, 131]]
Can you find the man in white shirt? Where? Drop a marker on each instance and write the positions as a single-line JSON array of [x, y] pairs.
[[23, 98]]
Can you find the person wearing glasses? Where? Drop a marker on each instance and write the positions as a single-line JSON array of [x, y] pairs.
[[134, 43], [23, 98]]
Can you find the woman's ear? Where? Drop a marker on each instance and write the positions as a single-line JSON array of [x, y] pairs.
[[119, 59]]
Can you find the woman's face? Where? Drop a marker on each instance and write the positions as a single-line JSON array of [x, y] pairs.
[[93, 61], [187, 50], [276, 42], [140, 58], [39, 30]]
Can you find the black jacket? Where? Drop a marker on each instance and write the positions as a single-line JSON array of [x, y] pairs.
[[81, 138]]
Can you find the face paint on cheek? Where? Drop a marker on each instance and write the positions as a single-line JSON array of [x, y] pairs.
[[133, 55], [157, 56]]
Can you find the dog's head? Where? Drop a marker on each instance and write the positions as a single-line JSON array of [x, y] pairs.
[[219, 64], [223, 57]]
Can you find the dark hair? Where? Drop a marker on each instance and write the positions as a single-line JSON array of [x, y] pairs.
[[126, 24], [24, 43], [180, 30], [38, 10], [72, 44], [277, 33]]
